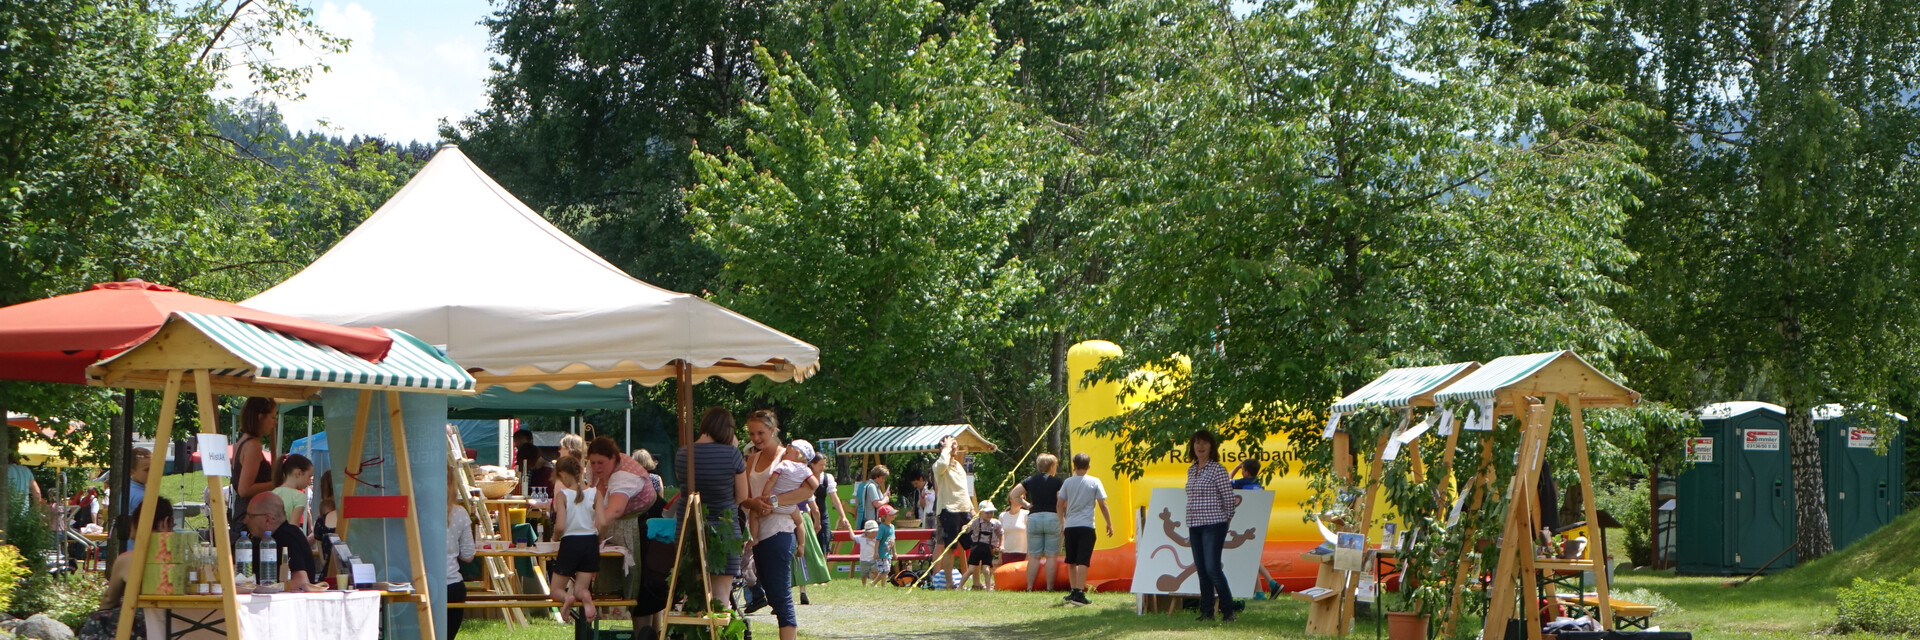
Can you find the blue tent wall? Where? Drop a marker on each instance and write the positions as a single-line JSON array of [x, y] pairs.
[[382, 542]]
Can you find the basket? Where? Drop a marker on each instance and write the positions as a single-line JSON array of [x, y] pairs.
[[496, 489]]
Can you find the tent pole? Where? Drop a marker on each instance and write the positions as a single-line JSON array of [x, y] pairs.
[[136, 571], [628, 443], [223, 548], [403, 467]]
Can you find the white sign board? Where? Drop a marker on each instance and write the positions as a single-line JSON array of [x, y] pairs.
[[1163, 557], [1763, 439], [1699, 449], [1858, 438], [213, 455]]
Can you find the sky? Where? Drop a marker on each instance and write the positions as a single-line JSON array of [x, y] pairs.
[[411, 64]]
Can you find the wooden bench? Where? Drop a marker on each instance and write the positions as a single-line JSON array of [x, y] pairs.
[[899, 535], [1626, 614]]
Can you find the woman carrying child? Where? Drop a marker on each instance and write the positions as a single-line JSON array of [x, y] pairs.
[[579, 555], [778, 485]]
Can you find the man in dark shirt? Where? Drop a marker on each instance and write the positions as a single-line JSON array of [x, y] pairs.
[[267, 514]]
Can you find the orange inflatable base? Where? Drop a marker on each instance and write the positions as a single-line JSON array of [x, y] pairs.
[[1112, 569]]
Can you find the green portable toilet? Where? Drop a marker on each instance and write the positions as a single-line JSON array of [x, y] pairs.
[[1863, 485], [1734, 508]]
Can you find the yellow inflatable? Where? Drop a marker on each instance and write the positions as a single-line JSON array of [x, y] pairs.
[[1288, 534]]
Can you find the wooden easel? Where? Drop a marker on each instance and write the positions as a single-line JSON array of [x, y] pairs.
[[692, 522], [1517, 571]]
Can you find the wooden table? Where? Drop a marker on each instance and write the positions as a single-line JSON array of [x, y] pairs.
[[501, 506]]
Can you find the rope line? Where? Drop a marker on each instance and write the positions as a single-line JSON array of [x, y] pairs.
[[1022, 462]]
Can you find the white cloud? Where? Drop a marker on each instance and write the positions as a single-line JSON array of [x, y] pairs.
[[396, 87]]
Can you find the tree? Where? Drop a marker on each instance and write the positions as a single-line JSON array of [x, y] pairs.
[[1778, 246], [1311, 194], [870, 208], [594, 107]]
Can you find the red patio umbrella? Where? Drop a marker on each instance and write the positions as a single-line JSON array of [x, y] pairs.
[[56, 339]]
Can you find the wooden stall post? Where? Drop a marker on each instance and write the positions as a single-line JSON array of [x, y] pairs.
[[404, 470], [222, 547], [362, 411], [130, 596], [1477, 488], [1602, 585]]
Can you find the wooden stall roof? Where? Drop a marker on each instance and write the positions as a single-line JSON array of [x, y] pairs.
[[1539, 375]]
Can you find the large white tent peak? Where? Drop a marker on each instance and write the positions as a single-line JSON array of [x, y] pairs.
[[455, 259]]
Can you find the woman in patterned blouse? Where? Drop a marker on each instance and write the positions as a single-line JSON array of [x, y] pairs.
[[1210, 505]]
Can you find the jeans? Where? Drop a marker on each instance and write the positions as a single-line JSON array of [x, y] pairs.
[[1207, 544], [773, 560], [456, 592], [1043, 534]]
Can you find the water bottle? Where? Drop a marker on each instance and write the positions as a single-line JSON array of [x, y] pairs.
[[269, 561], [243, 558]]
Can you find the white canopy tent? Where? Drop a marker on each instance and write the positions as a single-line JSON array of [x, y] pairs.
[[456, 260]]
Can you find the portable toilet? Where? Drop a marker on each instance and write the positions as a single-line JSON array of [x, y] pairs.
[[1864, 485], [1734, 510]]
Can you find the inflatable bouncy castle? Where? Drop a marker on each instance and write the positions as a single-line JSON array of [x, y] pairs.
[[1289, 534]]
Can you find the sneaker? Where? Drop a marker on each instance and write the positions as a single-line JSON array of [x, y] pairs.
[[1204, 617], [1228, 616], [1069, 599], [1079, 597]]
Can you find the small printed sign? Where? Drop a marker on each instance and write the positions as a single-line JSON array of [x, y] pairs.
[[213, 455], [1699, 449], [1858, 438], [1763, 439]]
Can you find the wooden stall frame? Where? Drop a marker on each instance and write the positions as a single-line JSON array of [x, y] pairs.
[[179, 348]]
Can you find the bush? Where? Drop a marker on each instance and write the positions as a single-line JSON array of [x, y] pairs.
[[1879, 606], [12, 570], [1628, 504], [67, 597]]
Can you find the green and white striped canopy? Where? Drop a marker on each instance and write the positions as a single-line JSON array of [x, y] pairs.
[[1503, 372], [411, 365], [882, 440], [1399, 387]]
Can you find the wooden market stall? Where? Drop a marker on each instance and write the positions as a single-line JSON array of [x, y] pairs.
[[211, 355], [1527, 387], [1406, 390]]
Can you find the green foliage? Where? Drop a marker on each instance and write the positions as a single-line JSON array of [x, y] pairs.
[[28, 532], [1629, 504], [1879, 606], [67, 597], [1773, 246], [1307, 196], [13, 572], [870, 210]]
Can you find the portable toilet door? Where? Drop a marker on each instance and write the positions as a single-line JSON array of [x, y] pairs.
[[1864, 485], [1763, 517], [1735, 510]]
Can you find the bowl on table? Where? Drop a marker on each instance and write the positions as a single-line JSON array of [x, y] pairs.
[[496, 489], [546, 547]]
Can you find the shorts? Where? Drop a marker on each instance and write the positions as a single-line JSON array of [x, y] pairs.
[[577, 554], [950, 525], [1043, 533], [982, 554], [1079, 544], [882, 567]]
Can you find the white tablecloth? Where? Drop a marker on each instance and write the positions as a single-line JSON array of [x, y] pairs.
[[329, 615]]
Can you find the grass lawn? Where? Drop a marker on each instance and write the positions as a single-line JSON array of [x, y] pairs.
[[843, 610]]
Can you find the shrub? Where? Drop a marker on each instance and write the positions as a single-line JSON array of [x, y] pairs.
[[1879, 606], [12, 570], [1628, 504]]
